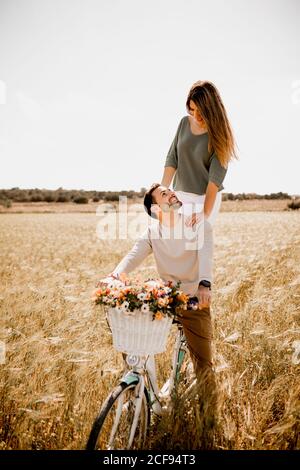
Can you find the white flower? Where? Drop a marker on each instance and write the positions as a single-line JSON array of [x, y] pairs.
[[145, 308], [128, 312], [153, 283], [124, 306], [115, 284], [142, 296]]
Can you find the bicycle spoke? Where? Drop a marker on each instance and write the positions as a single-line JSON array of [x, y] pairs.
[[121, 424], [137, 411], [116, 420]]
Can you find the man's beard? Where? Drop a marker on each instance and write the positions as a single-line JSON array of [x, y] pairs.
[[171, 207]]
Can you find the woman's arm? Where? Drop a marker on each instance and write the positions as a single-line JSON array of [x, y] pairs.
[[169, 172], [171, 162], [210, 197]]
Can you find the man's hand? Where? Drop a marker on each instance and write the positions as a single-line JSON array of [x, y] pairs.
[[105, 281], [122, 279], [204, 296]]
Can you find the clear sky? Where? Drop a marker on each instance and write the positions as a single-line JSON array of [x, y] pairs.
[[92, 91]]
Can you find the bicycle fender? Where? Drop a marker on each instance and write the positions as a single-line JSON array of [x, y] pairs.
[[130, 378]]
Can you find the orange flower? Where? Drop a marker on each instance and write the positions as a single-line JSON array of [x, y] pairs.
[[182, 297], [163, 302], [158, 316], [126, 290]]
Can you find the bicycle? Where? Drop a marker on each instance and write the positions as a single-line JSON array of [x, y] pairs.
[[124, 419]]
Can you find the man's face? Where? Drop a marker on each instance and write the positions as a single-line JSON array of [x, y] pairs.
[[166, 199]]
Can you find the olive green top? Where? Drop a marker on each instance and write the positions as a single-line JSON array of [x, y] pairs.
[[195, 167]]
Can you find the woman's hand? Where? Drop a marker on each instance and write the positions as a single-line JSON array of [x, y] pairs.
[[195, 218]]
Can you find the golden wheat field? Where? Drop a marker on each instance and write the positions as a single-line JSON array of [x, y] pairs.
[[59, 363]]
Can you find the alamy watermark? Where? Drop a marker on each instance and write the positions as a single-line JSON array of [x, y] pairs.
[[130, 221]]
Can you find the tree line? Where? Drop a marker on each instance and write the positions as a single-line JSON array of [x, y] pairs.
[[60, 195]]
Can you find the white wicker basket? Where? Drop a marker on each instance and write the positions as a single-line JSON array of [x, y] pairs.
[[138, 333]]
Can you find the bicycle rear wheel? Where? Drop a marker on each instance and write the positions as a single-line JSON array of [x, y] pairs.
[[111, 428]]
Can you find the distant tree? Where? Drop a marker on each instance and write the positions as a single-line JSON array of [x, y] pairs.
[[81, 200], [5, 202], [279, 195], [49, 196], [294, 204], [36, 197], [63, 198], [111, 196]]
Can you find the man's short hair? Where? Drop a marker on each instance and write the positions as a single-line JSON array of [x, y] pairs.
[[148, 199]]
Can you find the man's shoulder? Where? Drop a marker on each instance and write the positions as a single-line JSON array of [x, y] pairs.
[[151, 231], [153, 228]]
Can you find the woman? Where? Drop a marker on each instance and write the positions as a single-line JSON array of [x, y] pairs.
[[198, 160]]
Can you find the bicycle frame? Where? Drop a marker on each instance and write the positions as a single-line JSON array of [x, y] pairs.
[[144, 396], [146, 367], [180, 349]]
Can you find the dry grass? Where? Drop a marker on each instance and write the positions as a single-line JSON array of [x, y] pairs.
[[60, 364], [255, 205]]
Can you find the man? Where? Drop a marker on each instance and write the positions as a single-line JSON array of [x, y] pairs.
[[177, 259]]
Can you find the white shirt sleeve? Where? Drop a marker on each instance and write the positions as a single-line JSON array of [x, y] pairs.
[[141, 249]]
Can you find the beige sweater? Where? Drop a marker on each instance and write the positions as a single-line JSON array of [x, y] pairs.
[[176, 252]]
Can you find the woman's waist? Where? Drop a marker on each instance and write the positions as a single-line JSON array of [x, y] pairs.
[[188, 193], [189, 196]]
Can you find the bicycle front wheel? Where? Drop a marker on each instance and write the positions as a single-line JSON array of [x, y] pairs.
[[112, 427]]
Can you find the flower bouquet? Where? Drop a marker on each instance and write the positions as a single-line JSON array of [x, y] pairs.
[[131, 310], [152, 296]]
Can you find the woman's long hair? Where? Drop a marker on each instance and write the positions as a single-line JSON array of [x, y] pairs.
[[211, 108]]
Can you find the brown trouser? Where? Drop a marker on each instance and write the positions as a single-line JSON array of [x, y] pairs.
[[197, 327], [203, 396]]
